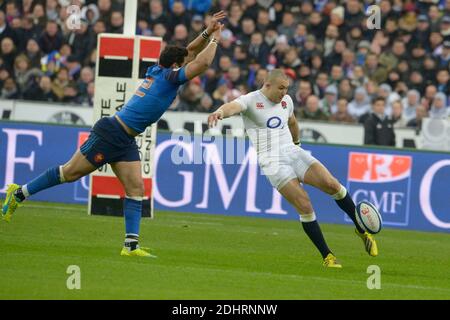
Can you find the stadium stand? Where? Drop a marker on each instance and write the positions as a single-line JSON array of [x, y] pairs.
[[324, 47]]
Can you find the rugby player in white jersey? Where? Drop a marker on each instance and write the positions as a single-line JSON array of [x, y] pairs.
[[270, 123]]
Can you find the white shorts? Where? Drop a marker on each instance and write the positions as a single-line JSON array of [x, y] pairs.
[[291, 163]]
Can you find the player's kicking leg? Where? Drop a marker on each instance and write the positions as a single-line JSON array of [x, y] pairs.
[[318, 176], [73, 170], [130, 175], [298, 198]]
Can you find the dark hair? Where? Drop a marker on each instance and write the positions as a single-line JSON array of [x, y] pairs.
[[172, 54], [379, 99]]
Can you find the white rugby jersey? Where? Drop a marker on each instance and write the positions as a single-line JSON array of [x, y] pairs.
[[266, 122]]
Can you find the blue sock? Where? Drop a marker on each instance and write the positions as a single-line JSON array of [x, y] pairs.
[[132, 212], [47, 179]]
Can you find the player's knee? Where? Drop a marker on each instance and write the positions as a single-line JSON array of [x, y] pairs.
[[135, 189], [303, 206], [71, 175], [332, 186]]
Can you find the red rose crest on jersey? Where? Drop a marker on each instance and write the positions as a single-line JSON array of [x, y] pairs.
[[99, 157], [283, 104], [259, 105]]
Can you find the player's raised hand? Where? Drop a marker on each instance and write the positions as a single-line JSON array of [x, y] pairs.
[[217, 34], [214, 23], [214, 118]]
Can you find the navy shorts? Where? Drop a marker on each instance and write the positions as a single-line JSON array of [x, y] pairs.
[[109, 143]]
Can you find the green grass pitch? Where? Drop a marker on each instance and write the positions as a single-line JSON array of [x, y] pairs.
[[209, 257]]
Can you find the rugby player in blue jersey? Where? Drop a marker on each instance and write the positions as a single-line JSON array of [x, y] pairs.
[[112, 139]]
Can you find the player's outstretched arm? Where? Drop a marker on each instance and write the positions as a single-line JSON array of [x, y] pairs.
[[205, 58], [199, 43], [227, 110], [294, 129]]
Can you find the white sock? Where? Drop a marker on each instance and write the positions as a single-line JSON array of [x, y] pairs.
[[25, 191], [340, 194], [61, 175], [131, 243], [308, 217]]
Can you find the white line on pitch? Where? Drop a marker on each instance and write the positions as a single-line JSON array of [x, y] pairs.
[[37, 206]]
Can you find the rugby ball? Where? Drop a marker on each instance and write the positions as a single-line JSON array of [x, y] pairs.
[[368, 217]]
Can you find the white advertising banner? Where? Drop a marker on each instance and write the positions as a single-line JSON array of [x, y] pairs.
[[52, 113], [113, 90], [436, 134], [311, 131]]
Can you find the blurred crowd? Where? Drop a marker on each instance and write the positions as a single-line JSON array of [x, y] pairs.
[[337, 65]]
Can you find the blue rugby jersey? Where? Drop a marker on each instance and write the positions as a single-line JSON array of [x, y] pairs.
[[153, 97]]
